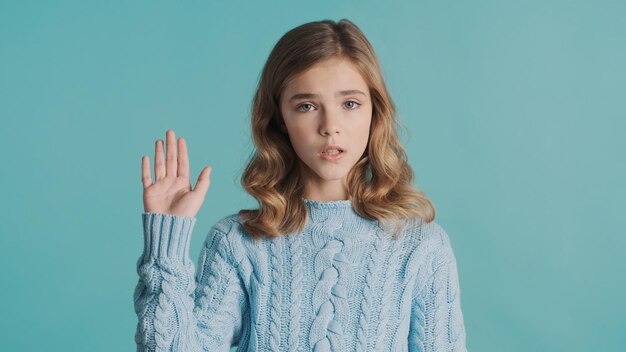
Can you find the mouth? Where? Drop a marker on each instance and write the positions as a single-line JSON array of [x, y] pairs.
[[332, 152]]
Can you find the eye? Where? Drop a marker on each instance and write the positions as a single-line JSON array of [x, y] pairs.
[[299, 108], [356, 105]]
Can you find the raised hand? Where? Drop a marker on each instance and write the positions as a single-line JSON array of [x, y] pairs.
[[171, 192]]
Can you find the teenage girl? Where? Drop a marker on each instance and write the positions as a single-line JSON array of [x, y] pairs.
[[342, 254]]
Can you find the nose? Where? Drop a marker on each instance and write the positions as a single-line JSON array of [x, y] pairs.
[[329, 124]]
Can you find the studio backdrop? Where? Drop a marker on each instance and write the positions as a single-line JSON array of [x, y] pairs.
[[512, 116]]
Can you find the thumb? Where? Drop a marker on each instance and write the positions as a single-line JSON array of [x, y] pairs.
[[202, 185]]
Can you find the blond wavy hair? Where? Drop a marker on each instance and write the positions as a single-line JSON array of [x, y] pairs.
[[379, 184]]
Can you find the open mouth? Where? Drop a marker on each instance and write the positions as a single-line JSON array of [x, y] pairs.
[[332, 152]]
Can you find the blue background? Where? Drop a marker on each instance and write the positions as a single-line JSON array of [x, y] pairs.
[[515, 123]]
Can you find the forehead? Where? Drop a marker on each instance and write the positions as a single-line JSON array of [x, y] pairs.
[[326, 77]]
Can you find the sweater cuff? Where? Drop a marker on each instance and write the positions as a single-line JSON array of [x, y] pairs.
[[167, 236]]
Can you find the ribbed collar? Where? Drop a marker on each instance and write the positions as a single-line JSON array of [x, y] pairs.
[[335, 218], [328, 203], [320, 211]]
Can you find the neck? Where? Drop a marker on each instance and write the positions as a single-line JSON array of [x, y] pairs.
[[316, 188]]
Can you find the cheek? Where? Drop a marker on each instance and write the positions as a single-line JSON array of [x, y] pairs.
[[299, 138], [363, 129]]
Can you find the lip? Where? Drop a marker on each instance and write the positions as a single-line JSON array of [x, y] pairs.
[[333, 146], [329, 157]]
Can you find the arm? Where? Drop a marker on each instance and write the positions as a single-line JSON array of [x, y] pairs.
[[177, 311], [436, 316]]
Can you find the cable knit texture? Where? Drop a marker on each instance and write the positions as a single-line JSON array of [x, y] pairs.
[[343, 284]]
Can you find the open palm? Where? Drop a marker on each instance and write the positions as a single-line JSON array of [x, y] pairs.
[[171, 192]]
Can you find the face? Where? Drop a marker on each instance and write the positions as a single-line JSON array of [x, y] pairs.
[[327, 105]]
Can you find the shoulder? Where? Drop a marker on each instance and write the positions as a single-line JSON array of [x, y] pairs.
[[244, 252], [221, 234], [230, 231], [433, 234], [230, 225], [438, 246], [429, 244], [425, 234]]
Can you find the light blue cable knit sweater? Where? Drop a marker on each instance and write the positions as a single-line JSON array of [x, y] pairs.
[[343, 284]]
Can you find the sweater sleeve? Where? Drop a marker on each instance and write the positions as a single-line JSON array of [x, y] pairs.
[[178, 309], [436, 316]]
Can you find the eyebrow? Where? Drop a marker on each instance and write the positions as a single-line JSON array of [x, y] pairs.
[[310, 95]]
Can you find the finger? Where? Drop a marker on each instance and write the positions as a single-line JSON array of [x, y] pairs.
[[146, 179], [204, 180], [159, 166], [170, 160], [183, 159]]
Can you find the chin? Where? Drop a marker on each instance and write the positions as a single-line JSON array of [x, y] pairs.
[[326, 172], [331, 176]]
